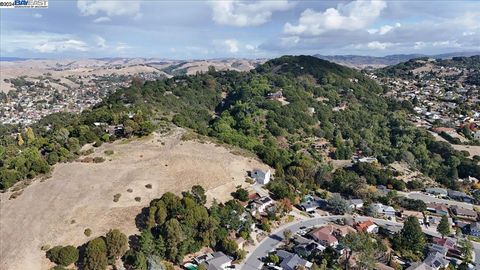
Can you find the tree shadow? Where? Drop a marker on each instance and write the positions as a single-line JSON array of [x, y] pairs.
[[141, 219]]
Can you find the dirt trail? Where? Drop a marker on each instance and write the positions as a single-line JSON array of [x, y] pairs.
[[80, 195]]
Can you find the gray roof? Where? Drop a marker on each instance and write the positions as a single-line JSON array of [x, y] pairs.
[[436, 260], [290, 263], [219, 258], [475, 226]]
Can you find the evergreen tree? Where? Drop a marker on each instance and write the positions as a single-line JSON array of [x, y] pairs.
[[411, 238], [96, 255], [443, 227], [117, 244]]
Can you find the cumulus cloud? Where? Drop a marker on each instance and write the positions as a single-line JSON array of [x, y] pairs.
[[384, 29], [239, 13], [232, 45], [102, 19], [110, 8], [42, 42], [355, 15]]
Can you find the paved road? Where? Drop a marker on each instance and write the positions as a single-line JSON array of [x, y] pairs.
[[428, 198], [268, 244]]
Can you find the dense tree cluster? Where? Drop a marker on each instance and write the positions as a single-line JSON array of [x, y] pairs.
[[176, 226], [97, 254]]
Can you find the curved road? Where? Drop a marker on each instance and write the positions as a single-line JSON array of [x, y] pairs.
[[268, 244]]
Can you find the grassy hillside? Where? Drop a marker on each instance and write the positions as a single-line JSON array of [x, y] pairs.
[[320, 100]]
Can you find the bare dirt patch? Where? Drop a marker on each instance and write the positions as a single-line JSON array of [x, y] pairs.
[[84, 192]]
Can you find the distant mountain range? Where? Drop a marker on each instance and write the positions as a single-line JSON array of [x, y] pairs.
[[362, 61]]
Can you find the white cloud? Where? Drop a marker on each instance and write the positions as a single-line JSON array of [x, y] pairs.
[[239, 13], [251, 47], [43, 42], [232, 45], [102, 19], [101, 42], [376, 45], [110, 8], [37, 15], [447, 44], [384, 29], [61, 46], [355, 15]]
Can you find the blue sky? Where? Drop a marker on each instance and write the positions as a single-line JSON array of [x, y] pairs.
[[250, 29]]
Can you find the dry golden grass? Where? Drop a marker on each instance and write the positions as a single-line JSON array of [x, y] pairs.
[[84, 192]]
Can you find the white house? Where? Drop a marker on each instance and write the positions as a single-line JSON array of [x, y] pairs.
[[260, 176], [476, 136]]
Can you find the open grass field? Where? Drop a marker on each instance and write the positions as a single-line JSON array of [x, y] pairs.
[[80, 195]]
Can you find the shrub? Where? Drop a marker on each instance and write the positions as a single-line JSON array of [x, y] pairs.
[[87, 232], [67, 255], [52, 254], [129, 190], [98, 144], [108, 152], [63, 255], [149, 186], [116, 197], [138, 199], [240, 194], [98, 159]]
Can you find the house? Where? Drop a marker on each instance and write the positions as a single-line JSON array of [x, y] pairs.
[[419, 266], [436, 261], [460, 196], [474, 229], [390, 230], [449, 243], [275, 95], [476, 136], [200, 259], [437, 191], [418, 215], [260, 205], [291, 261], [463, 212], [438, 208], [357, 159], [219, 261], [355, 204], [312, 204], [260, 176], [324, 236], [383, 210], [306, 250], [366, 226], [115, 130], [435, 248]]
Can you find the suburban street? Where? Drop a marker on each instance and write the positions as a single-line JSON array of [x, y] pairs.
[[432, 199], [253, 260]]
